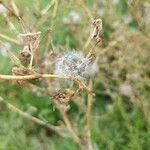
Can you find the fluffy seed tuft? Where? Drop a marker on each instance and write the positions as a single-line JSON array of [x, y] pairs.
[[73, 65]]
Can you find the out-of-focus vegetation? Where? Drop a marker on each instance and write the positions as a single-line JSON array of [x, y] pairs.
[[121, 106]]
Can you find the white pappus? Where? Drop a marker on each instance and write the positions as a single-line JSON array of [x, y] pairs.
[[73, 65]]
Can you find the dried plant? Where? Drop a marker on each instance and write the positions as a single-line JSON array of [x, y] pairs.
[[70, 76], [72, 66]]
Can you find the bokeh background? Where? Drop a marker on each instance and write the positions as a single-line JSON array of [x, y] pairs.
[[121, 107]]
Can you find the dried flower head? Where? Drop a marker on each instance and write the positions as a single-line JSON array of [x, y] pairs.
[[73, 65], [31, 40]]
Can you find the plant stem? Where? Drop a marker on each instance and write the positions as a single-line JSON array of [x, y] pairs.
[[67, 123], [9, 39], [36, 76], [29, 77], [30, 117], [88, 115]]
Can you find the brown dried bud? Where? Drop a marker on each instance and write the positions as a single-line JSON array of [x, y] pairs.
[[91, 57], [58, 96], [25, 52], [54, 55], [49, 30], [20, 70]]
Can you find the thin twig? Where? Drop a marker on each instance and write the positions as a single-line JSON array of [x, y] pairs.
[[36, 76], [88, 115], [30, 77], [15, 8], [10, 24], [12, 56], [45, 10], [9, 39], [30, 117], [67, 123]]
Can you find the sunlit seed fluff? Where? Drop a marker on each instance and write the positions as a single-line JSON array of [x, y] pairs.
[[4, 49], [2, 9], [73, 65]]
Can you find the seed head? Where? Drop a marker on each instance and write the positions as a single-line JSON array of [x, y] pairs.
[[73, 65]]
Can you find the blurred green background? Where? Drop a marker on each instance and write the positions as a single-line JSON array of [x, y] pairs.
[[120, 110]]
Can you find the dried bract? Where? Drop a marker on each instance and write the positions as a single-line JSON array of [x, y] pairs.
[[20, 70], [97, 27]]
